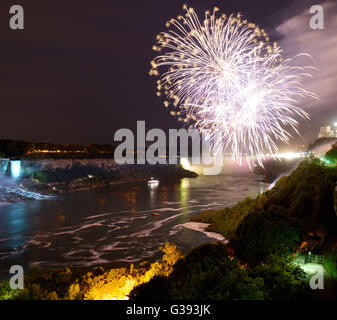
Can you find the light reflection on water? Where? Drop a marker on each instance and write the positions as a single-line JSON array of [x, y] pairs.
[[114, 225]]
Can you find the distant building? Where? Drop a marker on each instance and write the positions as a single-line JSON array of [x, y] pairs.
[[326, 132]]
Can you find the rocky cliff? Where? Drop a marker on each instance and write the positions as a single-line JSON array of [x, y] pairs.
[[59, 176]]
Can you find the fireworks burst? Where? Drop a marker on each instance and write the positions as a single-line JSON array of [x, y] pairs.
[[224, 77]]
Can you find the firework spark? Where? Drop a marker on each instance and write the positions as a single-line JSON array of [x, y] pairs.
[[224, 77]]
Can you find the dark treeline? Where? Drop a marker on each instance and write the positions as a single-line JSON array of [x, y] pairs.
[[320, 142], [331, 155], [36, 151], [24, 149]]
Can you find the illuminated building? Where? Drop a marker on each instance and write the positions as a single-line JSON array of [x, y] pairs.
[[326, 132]]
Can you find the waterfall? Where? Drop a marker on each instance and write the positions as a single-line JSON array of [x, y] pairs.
[[15, 168], [10, 168], [3, 166]]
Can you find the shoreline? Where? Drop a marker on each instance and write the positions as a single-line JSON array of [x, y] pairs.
[[60, 177], [49, 192], [202, 227]]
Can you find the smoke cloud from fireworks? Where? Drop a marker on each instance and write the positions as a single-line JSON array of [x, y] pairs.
[[224, 77]]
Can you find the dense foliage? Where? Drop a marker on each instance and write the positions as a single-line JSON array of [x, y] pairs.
[[226, 221], [10, 148], [263, 233], [330, 262], [331, 155], [300, 204], [207, 272]]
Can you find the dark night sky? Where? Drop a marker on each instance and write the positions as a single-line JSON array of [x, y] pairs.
[[79, 70]]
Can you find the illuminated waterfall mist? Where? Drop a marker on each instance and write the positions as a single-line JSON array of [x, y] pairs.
[[10, 168], [15, 170], [10, 188]]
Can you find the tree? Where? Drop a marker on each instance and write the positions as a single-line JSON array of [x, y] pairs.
[[263, 233]]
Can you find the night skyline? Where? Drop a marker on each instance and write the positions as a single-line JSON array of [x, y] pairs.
[[77, 73]]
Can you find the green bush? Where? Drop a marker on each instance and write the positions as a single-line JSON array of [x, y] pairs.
[[331, 155], [226, 221], [6, 293], [263, 233], [50, 284], [207, 272], [283, 280], [330, 262]]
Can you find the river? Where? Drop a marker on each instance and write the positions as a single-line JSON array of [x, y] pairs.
[[115, 226]]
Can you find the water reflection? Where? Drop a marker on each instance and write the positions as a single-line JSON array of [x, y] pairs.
[[114, 225], [184, 191], [153, 188]]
